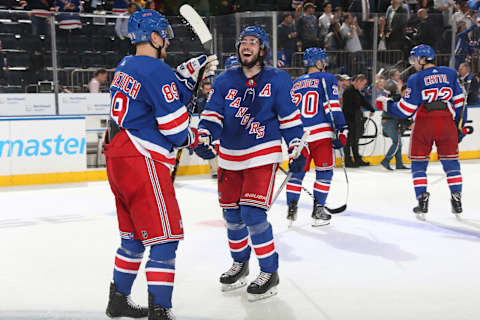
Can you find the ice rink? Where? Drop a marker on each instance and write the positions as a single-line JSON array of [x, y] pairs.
[[375, 261]]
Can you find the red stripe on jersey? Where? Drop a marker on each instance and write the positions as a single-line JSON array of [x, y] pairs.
[[297, 117], [160, 157], [205, 114], [251, 155], [454, 180], [405, 108], [126, 264], [321, 187], [238, 245], [458, 101], [323, 129], [174, 123], [160, 276], [332, 105], [265, 249], [420, 181], [291, 187]]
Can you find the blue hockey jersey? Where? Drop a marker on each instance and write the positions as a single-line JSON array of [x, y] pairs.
[[309, 96], [148, 101], [250, 117], [429, 85]]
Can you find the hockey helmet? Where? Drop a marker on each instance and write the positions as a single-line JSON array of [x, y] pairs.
[[231, 62], [391, 86], [142, 23], [422, 50], [257, 32], [312, 55]]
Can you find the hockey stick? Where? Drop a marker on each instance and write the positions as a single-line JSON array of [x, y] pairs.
[[200, 29], [462, 113], [303, 141], [331, 210], [343, 207]]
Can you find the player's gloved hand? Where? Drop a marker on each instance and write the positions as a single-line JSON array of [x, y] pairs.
[[297, 153], [461, 134], [205, 148], [341, 139], [188, 71], [192, 138]]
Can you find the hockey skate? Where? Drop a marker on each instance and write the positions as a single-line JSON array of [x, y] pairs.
[[292, 211], [422, 207], [320, 216], [265, 286], [120, 305], [456, 203], [235, 277], [158, 312]]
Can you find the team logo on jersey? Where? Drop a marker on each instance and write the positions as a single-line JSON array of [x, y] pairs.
[[236, 103], [266, 91], [231, 94], [253, 127]]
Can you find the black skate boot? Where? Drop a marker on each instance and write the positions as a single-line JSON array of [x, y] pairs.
[[422, 207], [292, 211], [235, 277], [320, 216], [158, 312], [120, 305], [265, 286], [456, 203]]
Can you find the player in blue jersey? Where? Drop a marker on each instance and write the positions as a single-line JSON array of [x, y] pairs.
[[435, 99], [321, 114], [231, 62], [148, 120], [250, 109]]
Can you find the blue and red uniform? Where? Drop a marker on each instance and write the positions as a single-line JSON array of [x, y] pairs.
[[435, 99]]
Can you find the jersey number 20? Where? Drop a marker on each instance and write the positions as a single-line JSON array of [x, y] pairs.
[[119, 107], [310, 104]]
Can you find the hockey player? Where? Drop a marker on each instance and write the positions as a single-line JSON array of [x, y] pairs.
[[435, 98], [250, 110], [231, 62], [321, 114], [148, 120]]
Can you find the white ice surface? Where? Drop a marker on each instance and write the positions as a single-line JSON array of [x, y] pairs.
[[375, 261]]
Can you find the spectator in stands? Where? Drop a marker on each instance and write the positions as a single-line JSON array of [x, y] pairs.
[[326, 20], [3, 67], [36, 68], [353, 101], [121, 29], [350, 32], [382, 44], [362, 9], [462, 14], [206, 86], [307, 28], [39, 14], [68, 17], [469, 83], [344, 81], [287, 36], [150, 5], [396, 17], [334, 40], [99, 78], [120, 6], [379, 89], [426, 29], [463, 49], [446, 8]]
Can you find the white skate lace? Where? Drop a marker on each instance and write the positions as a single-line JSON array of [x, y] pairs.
[[236, 267], [170, 314], [262, 278], [133, 304]]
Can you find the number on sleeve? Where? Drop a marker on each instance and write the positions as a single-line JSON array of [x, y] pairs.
[[119, 107], [170, 92]]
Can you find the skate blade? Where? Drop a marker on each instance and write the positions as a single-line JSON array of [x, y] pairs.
[[420, 216], [242, 282], [256, 297], [320, 223], [290, 223]]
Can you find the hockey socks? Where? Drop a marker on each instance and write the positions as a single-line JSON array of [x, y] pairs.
[[322, 185], [454, 177], [237, 235], [160, 270], [294, 186], [419, 173], [127, 262], [261, 236]]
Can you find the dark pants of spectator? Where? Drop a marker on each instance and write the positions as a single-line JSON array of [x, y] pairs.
[[390, 127], [351, 148], [40, 26]]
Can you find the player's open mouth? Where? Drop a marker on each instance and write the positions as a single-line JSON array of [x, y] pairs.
[[246, 54]]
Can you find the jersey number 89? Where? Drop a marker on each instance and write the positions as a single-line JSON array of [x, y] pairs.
[[119, 107]]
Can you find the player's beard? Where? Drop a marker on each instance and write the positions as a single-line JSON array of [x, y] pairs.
[[251, 63]]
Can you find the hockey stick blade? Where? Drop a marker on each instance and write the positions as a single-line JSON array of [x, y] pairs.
[[198, 25]]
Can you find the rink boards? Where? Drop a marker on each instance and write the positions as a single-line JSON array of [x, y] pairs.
[[37, 148]]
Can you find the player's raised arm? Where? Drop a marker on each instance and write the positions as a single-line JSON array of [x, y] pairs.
[[211, 119]]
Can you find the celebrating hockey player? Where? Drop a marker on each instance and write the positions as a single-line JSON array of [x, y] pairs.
[[319, 116], [148, 120], [250, 110], [436, 99]]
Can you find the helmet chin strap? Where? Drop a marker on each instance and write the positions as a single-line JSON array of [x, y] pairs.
[[159, 49]]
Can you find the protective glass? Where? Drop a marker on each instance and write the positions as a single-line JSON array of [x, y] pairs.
[[412, 60], [250, 41], [167, 33]]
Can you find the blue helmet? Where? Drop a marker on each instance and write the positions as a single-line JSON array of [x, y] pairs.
[[312, 55], [142, 23], [473, 4], [257, 32], [231, 62], [422, 50]]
